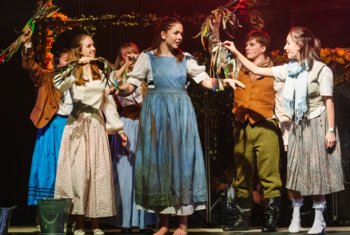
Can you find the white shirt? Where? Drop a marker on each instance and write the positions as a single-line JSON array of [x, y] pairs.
[[143, 70], [326, 84], [94, 94]]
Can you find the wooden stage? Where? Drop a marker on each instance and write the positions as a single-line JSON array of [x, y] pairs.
[[19, 230]]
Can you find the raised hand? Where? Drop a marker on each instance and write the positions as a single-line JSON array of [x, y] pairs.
[[27, 35], [230, 46]]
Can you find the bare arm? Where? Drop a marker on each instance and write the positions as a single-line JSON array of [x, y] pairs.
[[208, 83], [247, 63], [125, 89]]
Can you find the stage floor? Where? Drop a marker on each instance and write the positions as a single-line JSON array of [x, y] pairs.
[[19, 230]]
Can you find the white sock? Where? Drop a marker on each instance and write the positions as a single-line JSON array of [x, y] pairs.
[[319, 224], [294, 226]]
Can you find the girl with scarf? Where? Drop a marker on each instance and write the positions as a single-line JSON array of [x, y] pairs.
[[314, 161]]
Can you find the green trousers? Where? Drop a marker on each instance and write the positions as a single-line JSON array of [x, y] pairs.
[[256, 153]]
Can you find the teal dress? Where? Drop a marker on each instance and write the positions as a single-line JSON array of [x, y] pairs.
[[169, 167]]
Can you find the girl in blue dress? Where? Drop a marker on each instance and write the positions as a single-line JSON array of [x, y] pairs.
[[169, 166], [128, 215]]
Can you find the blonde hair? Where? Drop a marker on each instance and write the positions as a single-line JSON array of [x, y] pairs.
[[75, 55]]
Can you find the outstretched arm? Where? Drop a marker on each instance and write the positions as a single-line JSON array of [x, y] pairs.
[[213, 82], [247, 63]]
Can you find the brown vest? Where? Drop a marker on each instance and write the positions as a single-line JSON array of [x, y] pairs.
[[256, 101], [48, 98]]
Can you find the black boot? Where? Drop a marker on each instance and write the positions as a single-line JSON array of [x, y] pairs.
[[272, 210], [238, 215]]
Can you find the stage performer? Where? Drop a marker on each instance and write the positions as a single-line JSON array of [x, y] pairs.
[[49, 115], [169, 168], [84, 171], [129, 107]]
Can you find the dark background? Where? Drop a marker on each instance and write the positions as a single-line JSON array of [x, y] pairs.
[[327, 19]]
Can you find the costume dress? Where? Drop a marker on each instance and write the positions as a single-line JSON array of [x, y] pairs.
[[169, 169]]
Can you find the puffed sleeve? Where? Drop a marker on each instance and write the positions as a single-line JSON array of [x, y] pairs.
[[326, 81], [64, 84], [280, 72], [141, 70], [194, 70], [113, 122]]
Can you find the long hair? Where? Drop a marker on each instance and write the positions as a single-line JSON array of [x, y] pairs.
[[164, 25], [75, 55], [310, 46], [131, 48]]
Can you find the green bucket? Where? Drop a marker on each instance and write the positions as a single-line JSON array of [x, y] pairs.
[[5, 218], [53, 215]]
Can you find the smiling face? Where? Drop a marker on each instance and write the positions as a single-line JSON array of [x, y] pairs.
[[173, 36], [87, 47], [292, 48], [254, 49]]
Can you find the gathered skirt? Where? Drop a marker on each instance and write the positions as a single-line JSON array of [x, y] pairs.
[[44, 161], [84, 171], [311, 168], [169, 168]]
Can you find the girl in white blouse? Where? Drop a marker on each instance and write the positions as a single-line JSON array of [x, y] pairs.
[[84, 171]]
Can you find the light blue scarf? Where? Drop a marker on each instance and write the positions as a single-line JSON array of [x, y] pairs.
[[295, 90]]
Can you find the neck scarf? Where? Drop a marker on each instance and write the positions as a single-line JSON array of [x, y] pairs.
[[295, 90], [266, 63]]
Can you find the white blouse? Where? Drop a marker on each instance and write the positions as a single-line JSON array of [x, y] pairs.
[[95, 93], [143, 70], [325, 79]]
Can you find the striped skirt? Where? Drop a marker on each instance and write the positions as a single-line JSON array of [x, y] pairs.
[[311, 168]]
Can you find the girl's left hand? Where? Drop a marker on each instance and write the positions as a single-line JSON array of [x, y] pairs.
[[233, 83], [330, 140]]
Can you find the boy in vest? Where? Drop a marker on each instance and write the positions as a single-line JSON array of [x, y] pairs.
[[256, 140]]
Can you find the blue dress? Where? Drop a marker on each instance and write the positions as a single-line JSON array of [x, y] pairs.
[[169, 167], [44, 161]]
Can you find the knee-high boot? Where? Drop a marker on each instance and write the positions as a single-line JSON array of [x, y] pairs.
[[238, 215], [272, 211]]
